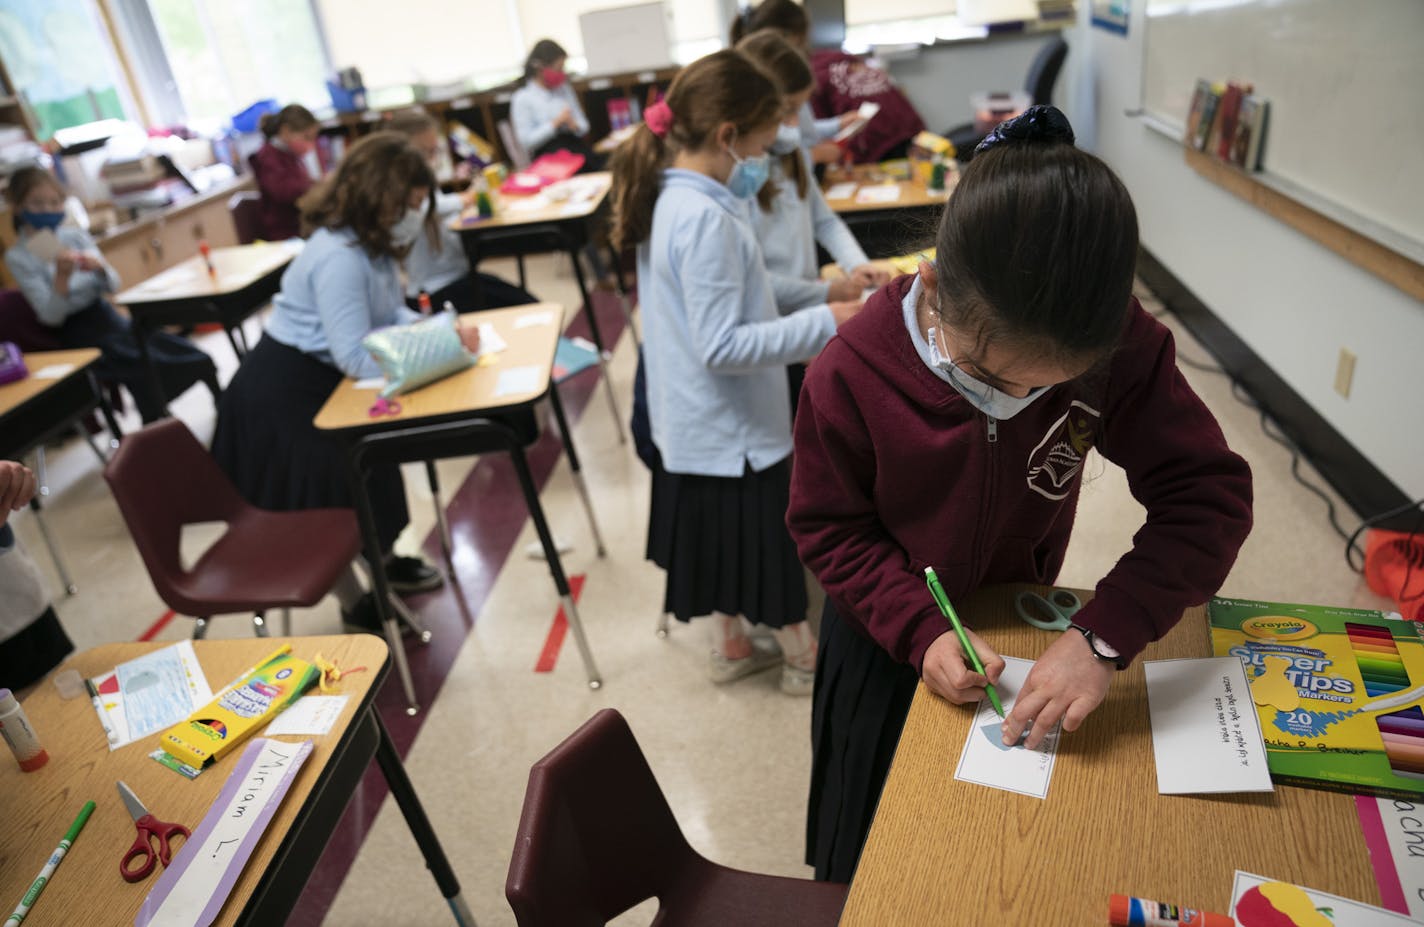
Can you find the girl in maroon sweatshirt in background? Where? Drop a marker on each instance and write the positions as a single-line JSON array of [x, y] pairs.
[[946, 426], [282, 178]]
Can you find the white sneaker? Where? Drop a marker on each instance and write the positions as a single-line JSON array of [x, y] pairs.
[[723, 670], [535, 550], [797, 681]]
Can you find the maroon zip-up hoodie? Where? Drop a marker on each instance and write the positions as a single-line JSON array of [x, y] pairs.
[[894, 471], [282, 178]]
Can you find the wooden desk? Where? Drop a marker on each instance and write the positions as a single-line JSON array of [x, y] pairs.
[[462, 416], [87, 888], [36, 410], [533, 224], [512, 211], [469, 391], [885, 229], [247, 277], [610, 142], [943, 851]]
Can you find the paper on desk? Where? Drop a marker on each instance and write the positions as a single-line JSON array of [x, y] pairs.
[[986, 761], [1259, 902], [842, 191], [878, 193], [1392, 828], [1206, 736], [491, 341], [53, 372], [310, 714], [152, 692], [518, 380], [533, 319], [45, 245], [370, 383]]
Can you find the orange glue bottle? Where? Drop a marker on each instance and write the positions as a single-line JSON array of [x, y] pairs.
[[18, 733], [1124, 911], [207, 257], [423, 301]]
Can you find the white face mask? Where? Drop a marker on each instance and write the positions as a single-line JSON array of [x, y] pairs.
[[788, 139], [407, 228], [994, 403]]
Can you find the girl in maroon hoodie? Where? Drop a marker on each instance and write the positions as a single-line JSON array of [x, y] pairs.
[[282, 177], [946, 426]]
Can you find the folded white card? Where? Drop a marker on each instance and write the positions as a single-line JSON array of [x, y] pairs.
[[986, 761], [1255, 900], [1206, 736]]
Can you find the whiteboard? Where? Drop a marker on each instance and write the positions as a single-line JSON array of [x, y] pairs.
[[626, 38], [1346, 83]]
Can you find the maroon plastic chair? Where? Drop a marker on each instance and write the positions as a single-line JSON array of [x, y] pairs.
[[163, 479], [246, 209], [597, 838]]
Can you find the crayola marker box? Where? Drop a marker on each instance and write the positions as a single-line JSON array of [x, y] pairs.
[[1340, 692], [222, 724]]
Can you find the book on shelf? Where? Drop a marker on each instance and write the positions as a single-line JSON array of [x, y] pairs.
[[1211, 106], [1195, 112], [1250, 133], [1230, 111]]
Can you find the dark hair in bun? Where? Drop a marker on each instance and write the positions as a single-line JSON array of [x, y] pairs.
[[1038, 243], [1037, 124]]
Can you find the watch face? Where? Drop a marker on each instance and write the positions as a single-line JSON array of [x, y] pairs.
[[1104, 648]]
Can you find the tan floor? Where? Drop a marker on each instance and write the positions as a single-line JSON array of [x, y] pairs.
[[732, 761]]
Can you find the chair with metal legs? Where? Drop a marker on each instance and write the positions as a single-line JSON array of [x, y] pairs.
[[42, 478], [163, 479], [458, 439]]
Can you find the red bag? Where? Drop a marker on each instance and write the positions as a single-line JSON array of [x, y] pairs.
[[546, 169]]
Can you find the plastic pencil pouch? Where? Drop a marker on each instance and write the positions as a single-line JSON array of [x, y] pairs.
[[414, 355], [12, 363]]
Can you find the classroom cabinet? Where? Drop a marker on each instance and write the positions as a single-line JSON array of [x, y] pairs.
[[141, 249]]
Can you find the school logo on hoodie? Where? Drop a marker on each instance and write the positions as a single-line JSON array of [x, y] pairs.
[[1058, 458]]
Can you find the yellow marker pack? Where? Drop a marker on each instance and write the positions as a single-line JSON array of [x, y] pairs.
[[1338, 691], [226, 721]]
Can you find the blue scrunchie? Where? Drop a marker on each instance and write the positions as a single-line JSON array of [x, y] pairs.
[[1038, 124]]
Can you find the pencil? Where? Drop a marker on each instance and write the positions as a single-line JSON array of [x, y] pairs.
[[947, 610]]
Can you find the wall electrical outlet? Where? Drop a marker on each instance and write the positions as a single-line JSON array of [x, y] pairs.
[[1345, 372]]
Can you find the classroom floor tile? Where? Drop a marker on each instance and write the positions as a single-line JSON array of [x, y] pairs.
[[733, 761]]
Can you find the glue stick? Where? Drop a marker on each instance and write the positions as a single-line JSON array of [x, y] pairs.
[[18, 733], [1139, 912]]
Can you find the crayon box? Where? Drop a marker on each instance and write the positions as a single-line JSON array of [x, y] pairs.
[[1338, 691], [236, 713]]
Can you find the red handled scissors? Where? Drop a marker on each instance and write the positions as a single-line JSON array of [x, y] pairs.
[[384, 406], [148, 827]]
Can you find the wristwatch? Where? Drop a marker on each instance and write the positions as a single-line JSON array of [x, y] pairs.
[[1101, 648]]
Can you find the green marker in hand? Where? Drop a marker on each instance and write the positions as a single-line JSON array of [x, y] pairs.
[[947, 610]]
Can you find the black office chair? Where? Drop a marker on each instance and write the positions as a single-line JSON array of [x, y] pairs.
[[1042, 75]]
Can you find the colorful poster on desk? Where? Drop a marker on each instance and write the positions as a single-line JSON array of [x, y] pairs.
[[1339, 692]]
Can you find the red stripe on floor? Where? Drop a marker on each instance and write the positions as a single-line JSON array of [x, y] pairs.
[[157, 626], [555, 641]]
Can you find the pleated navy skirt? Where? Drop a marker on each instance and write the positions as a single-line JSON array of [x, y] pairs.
[[724, 544], [266, 443], [858, 709]]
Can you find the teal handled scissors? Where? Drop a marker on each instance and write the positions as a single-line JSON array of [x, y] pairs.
[[1060, 606]]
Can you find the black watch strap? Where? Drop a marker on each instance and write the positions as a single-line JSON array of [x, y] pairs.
[[1101, 648]]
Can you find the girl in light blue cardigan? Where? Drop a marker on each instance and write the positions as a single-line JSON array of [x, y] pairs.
[[715, 349]]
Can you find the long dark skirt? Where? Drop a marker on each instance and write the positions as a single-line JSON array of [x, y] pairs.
[[857, 711], [266, 443], [34, 650], [180, 364], [724, 544], [476, 291]]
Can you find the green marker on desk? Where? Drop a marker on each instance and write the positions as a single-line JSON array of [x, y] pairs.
[[947, 610], [47, 872]]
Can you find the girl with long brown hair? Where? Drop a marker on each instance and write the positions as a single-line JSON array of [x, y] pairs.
[[715, 347]]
